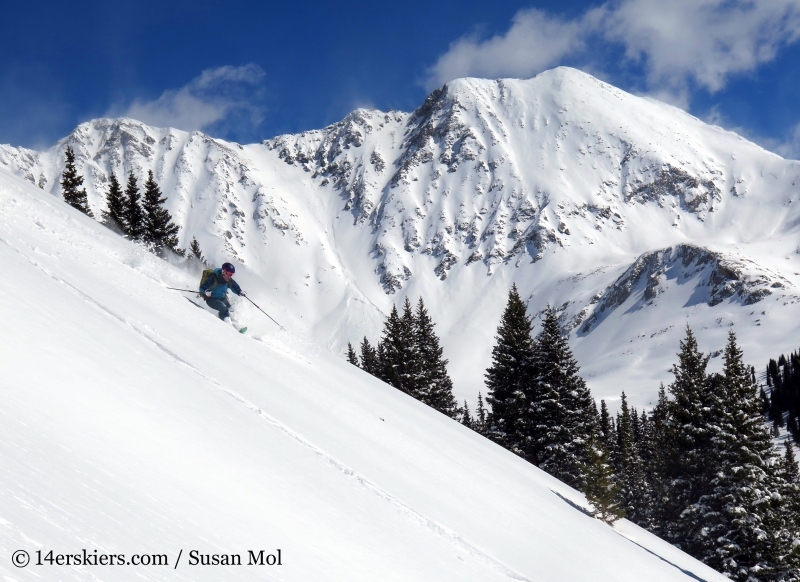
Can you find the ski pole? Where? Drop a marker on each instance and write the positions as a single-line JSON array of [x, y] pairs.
[[187, 290], [265, 313]]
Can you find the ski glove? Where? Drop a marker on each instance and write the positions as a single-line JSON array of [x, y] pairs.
[[208, 293], [242, 294]]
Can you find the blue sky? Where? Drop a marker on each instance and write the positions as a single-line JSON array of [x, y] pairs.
[[247, 71]]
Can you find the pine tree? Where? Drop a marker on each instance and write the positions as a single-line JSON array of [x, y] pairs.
[[508, 376], [114, 215], [196, 253], [159, 230], [738, 525], [71, 184], [432, 385], [687, 464], [628, 466], [351, 355], [399, 360], [605, 426], [369, 357], [134, 215], [481, 417], [600, 487], [466, 418], [561, 418]]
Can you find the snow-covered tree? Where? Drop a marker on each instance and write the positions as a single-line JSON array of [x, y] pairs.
[[511, 370], [560, 417]]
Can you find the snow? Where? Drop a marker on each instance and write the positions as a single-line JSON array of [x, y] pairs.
[[558, 183], [132, 422]]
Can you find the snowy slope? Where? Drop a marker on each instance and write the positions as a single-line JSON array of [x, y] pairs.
[[562, 184], [133, 422]]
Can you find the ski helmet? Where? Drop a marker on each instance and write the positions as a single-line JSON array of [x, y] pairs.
[[227, 267]]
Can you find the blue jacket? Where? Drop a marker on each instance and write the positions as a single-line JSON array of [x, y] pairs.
[[220, 290]]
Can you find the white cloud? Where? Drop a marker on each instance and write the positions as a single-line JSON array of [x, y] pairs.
[[704, 41], [536, 41], [787, 147], [206, 100]]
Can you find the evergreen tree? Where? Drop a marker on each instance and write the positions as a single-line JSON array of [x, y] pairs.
[[432, 385], [351, 355], [134, 215], [71, 184], [399, 359], [600, 487], [628, 466], [561, 418], [688, 465], [481, 417], [196, 253], [506, 379], [159, 230], [114, 215], [466, 418], [738, 525], [654, 514], [369, 358], [605, 426]]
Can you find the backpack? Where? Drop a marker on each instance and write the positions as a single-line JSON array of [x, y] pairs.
[[208, 274]]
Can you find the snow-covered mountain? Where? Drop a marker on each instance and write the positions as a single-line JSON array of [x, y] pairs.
[[631, 216], [133, 422]]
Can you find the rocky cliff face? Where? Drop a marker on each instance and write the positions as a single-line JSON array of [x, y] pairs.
[[587, 197]]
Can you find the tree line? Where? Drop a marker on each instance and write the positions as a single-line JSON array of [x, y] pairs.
[[138, 216], [699, 470], [782, 401]]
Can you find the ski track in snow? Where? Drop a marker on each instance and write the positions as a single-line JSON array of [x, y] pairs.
[[437, 528]]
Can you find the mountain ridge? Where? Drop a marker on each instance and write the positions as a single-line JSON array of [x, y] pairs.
[[486, 183]]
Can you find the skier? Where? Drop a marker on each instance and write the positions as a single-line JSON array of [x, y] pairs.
[[214, 288]]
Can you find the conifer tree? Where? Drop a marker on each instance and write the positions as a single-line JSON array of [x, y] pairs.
[[737, 525], [466, 418], [508, 377], [561, 417], [71, 183], [134, 215], [159, 230], [369, 358], [687, 442], [600, 487], [351, 355], [432, 384], [481, 417], [628, 466], [399, 360], [196, 253], [605, 426], [114, 215]]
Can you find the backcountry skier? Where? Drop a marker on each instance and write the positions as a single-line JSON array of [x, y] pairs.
[[214, 286]]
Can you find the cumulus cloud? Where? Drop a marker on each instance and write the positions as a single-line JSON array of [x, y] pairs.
[[211, 99], [536, 41], [677, 42]]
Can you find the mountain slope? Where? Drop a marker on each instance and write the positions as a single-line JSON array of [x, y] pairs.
[[132, 422], [560, 183]]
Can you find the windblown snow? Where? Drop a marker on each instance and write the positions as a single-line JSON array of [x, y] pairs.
[[135, 423], [629, 216]]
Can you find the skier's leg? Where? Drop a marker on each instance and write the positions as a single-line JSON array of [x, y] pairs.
[[221, 306]]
